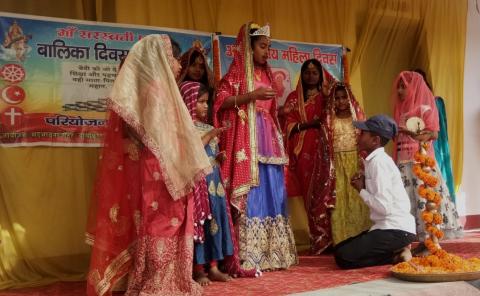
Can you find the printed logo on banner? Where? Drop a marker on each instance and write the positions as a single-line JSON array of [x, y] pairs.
[[56, 75], [12, 116], [12, 73], [13, 94]]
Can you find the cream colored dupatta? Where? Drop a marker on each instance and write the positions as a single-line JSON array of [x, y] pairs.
[[146, 96]]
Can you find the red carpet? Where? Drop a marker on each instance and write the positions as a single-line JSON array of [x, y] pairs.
[[312, 273], [315, 273]]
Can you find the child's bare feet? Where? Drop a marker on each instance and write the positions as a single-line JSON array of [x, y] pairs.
[[217, 276], [201, 278]]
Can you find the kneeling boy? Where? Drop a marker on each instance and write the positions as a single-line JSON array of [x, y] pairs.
[[381, 188]]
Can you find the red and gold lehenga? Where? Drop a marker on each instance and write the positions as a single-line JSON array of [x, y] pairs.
[[253, 171], [141, 219]]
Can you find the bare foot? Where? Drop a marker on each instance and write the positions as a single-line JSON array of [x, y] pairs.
[[201, 278], [217, 276], [405, 255], [420, 251]]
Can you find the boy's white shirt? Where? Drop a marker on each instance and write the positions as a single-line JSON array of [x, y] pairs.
[[385, 194]]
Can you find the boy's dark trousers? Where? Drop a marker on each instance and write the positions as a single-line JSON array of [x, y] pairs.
[[370, 248]]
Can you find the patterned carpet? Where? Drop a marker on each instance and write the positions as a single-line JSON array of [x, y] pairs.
[[313, 273]]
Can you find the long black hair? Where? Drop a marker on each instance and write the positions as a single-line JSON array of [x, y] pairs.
[[195, 54], [305, 65]]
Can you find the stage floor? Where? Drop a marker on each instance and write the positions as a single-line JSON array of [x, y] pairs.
[[315, 276]]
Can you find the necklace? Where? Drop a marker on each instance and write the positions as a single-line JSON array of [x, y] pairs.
[[312, 92]]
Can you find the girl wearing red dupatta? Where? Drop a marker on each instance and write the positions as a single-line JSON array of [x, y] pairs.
[[195, 68], [302, 136], [219, 231], [351, 215], [227, 238], [253, 169], [412, 97], [141, 222]]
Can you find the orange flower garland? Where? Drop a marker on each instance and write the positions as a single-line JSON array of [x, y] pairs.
[[438, 261], [427, 217], [422, 169], [429, 194], [441, 262]]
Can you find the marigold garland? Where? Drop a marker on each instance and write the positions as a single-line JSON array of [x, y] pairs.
[[435, 231], [438, 260], [422, 169], [427, 217]]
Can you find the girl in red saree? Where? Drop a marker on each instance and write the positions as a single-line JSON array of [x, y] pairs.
[[255, 158], [302, 136], [141, 220]]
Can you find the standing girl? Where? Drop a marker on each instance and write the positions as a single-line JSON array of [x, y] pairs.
[[351, 215], [412, 97], [255, 157], [141, 220]]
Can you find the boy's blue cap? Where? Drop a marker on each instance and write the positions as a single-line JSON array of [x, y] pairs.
[[381, 125]]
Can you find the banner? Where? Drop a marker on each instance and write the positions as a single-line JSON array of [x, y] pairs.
[[55, 75], [286, 59]]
